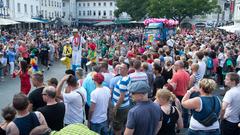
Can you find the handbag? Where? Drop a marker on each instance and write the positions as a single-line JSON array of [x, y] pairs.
[[211, 118]]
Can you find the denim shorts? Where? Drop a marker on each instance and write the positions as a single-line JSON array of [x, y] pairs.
[[204, 132], [101, 128]]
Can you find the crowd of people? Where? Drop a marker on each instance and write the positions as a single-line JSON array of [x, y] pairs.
[[115, 83]]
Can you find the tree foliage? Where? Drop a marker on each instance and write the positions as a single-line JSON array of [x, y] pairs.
[[137, 9], [179, 9], [175, 9]]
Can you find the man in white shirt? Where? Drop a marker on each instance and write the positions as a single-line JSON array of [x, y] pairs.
[[77, 43], [230, 111], [100, 98], [73, 100], [201, 63]]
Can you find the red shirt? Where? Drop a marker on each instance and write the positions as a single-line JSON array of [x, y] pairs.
[[181, 78], [23, 51]]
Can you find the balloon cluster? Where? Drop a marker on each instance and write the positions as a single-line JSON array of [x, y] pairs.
[[168, 22], [34, 65]]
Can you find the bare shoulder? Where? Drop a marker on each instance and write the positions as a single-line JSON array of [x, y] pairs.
[[12, 129]]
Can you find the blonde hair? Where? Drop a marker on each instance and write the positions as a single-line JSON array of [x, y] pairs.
[[207, 85], [165, 94], [195, 66]]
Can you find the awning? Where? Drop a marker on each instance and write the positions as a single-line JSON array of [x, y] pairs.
[[27, 20], [7, 22], [41, 20], [103, 23], [232, 28]]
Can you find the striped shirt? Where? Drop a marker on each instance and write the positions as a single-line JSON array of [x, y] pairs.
[[121, 87]]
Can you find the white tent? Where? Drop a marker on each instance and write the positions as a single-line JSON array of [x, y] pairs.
[[232, 28], [7, 22]]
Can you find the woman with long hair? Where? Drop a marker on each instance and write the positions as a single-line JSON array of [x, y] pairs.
[[171, 115]]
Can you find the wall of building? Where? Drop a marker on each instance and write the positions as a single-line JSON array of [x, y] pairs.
[[237, 12], [51, 9], [96, 10]]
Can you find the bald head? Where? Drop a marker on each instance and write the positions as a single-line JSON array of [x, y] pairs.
[[50, 91], [179, 63]]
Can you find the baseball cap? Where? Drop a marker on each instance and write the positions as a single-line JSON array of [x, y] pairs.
[[139, 87], [98, 77]]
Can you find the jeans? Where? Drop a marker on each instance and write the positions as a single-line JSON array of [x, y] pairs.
[[229, 128], [204, 132], [101, 128]]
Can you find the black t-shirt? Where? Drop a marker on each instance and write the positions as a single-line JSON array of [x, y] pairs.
[[54, 115], [35, 98], [158, 83]]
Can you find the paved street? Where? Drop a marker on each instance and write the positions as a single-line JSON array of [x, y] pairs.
[[12, 86]]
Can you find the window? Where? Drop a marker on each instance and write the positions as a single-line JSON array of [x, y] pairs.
[[79, 4], [94, 13], [94, 4], [49, 3], [49, 14], [37, 10], [87, 13], [7, 3], [99, 13], [99, 4], [111, 4], [25, 8], [55, 3], [84, 13], [88, 4], [79, 13], [45, 14], [18, 7], [84, 4], [31, 8], [90, 13], [52, 15], [63, 14], [45, 3], [52, 3], [63, 4], [110, 13], [104, 13], [104, 4], [42, 2]]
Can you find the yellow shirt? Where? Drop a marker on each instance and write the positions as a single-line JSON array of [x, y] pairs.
[[67, 50]]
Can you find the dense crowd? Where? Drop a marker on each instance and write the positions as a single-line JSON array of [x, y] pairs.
[[117, 83]]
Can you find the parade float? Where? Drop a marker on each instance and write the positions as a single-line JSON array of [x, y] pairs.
[[159, 29]]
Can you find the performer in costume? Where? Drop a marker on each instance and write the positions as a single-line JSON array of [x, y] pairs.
[[77, 42], [92, 54], [67, 55]]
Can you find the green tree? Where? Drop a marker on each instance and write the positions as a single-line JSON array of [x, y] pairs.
[[179, 9], [137, 9]]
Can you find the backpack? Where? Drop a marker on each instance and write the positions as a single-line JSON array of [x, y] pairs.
[[209, 63]]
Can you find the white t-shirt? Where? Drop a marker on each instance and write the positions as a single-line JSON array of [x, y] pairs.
[[232, 112], [202, 69], [75, 47], [107, 78], [221, 59], [74, 107], [101, 97]]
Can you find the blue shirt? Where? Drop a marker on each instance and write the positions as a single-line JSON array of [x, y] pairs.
[[89, 86], [11, 55]]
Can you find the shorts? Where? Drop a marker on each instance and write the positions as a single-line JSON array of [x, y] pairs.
[[120, 119]]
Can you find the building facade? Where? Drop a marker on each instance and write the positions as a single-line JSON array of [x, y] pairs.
[[237, 12], [51, 9], [96, 10]]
